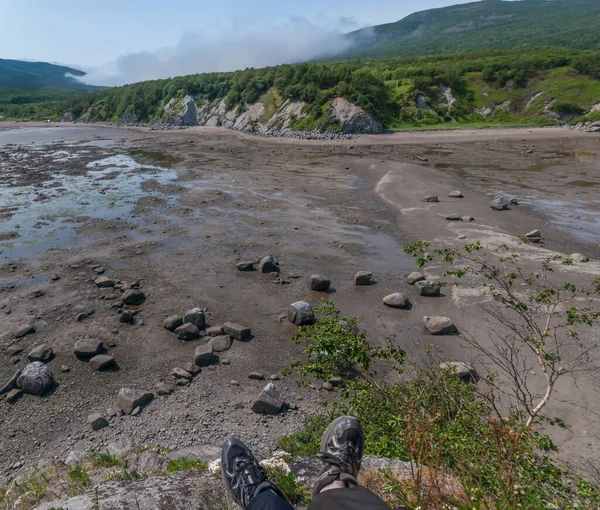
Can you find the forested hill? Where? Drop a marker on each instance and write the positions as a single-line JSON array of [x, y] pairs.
[[543, 86], [489, 24], [18, 74]]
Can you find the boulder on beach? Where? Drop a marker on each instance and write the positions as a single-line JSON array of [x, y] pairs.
[[429, 288], [172, 322], [462, 370], [499, 204], [301, 313], [88, 348], [36, 379], [415, 277], [439, 325], [203, 355], [455, 194], [578, 257], [431, 199], [237, 331], [128, 399], [196, 317], [319, 283], [363, 278], [42, 352], [396, 300], [269, 401], [268, 265], [133, 297], [187, 332]]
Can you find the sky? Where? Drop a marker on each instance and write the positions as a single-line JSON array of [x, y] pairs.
[[120, 41]]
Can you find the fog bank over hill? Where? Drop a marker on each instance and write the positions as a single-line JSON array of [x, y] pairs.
[[295, 39]]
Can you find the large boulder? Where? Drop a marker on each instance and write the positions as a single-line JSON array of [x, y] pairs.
[[396, 300], [462, 370], [102, 362], [319, 283], [236, 331], [439, 325], [187, 332], [128, 399], [196, 317], [415, 277], [429, 288], [172, 322], [42, 352], [133, 297], [88, 348], [23, 330], [269, 401], [221, 343], [203, 355], [36, 379], [499, 204], [268, 265], [301, 313], [363, 278]]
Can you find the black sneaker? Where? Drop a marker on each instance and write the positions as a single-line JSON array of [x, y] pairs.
[[342, 448], [244, 477]]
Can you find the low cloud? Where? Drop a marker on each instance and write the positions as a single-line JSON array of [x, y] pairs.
[[237, 47]]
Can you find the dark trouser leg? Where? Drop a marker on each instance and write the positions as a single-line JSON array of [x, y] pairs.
[[268, 500], [356, 498]]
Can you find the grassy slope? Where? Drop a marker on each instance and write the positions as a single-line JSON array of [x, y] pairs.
[[483, 25]]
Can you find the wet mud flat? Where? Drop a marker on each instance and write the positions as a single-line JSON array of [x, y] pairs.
[[176, 211]]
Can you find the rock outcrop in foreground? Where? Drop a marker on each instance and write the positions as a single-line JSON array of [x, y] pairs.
[[203, 491]]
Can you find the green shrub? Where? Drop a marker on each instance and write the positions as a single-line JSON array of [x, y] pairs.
[[185, 464]]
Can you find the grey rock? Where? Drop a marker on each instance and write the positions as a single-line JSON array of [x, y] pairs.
[[328, 386], [133, 297], [221, 343], [102, 362], [415, 277], [455, 194], [11, 384], [214, 331], [163, 389], [42, 352], [363, 278], [88, 348], [453, 217], [97, 421], [319, 283], [268, 265], [126, 317], [467, 219], [128, 399], [172, 322], [76, 457], [183, 490], [269, 401], [499, 204], [429, 288], [464, 371], [187, 332], [13, 395], [513, 201], [192, 368], [236, 331], [301, 313], [23, 330], [180, 373], [36, 379], [13, 350], [104, 281], [196, 317], [203, 355], [578, 257], [431, 199], [396, 300], [80, 317], [257, 376], [245, 266], [439, 325]]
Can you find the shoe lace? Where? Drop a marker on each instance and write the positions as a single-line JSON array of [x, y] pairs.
[[246, 477], [340, 457]]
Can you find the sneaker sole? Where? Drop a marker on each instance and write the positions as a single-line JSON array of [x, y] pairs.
[[327, 434]]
